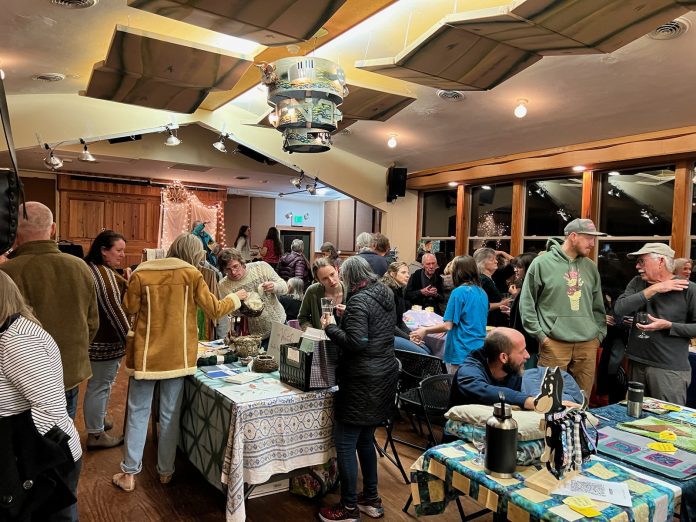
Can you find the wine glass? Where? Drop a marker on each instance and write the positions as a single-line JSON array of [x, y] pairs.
[[642, 318], [478, 438]]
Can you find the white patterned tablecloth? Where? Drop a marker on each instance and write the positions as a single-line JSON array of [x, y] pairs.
[[267, 435]]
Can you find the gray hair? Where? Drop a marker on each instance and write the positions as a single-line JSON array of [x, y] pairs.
[[669, 261], [363, 241], [296, 288], [354, 270], [482, 255], [297, 245], [38, 223], [187, 247]]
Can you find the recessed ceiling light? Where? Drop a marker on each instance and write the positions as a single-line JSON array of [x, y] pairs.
[[263, 181], [49, 77], [521, 108], [579, 168], [453, 183], [486, 187], [391, 142], [614, 173], [241, 177]]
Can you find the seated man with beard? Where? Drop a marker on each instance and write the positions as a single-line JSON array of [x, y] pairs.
[[498, 366]]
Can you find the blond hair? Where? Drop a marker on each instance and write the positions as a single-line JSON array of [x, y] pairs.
[[187, 247], [12, 302]]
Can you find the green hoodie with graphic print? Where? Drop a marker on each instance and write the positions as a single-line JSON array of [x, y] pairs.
[[561, 298]]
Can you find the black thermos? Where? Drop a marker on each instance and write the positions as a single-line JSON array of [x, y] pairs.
[[501, 441]]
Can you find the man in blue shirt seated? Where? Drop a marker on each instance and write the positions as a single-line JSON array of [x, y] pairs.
[[498, 366]]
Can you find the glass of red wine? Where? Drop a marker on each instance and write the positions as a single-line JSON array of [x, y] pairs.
[[642, 318]]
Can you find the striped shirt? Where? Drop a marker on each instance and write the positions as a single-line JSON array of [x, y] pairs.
[[31, 377]]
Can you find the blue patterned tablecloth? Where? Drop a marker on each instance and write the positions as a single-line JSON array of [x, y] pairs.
[[616, 413], [234, 443], [445, 471]]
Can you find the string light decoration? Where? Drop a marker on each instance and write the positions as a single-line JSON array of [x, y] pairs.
[[488, 228], [178, 200]]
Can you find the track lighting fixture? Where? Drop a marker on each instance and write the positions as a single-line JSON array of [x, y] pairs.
[[172, 140], [220, 144], [297, 181], [52, 161], [312, 188], [85, 155]]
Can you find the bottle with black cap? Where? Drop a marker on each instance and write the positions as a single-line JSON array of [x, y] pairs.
[[634, 399], [501, 441]]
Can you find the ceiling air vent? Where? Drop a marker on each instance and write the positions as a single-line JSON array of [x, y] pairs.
[[453, 96], [671, 30], [49, 77], [75, 4]]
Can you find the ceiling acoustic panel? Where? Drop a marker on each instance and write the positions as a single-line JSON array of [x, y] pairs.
[[268, 22], [162, 73], [477, 50]]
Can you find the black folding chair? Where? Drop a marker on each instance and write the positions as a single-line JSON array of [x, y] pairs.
[[434, 395]]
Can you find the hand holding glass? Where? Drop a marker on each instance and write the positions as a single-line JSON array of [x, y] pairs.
[[642, 318]]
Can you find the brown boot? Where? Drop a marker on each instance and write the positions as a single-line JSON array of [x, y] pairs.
[[125, 481], [102, 440]]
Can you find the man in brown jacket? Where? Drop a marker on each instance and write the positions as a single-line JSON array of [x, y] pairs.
[[60, 289]]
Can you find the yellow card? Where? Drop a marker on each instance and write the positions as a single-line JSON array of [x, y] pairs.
[[668, 435], [600, 471], [583, 505], [670, 407], [638, 487], [662, 447]]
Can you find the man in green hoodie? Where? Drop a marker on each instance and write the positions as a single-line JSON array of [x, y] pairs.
[[561, 303]]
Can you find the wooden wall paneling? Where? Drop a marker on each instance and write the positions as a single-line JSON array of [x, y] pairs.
[[363, 218], [346, 225], [331, 222], [682, 209], [376, 220], [237, 213], [461, 241], [262, 212], [519, 194], [42, 190]]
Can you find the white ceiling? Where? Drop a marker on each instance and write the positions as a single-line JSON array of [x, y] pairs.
[[644, 86]]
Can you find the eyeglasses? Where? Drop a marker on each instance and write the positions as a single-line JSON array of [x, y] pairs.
[[233, 268], [641, 261]]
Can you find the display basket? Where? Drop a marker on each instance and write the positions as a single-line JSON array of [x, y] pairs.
[[295, 366]]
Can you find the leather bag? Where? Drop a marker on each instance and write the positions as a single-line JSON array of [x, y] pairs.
[[11, 189]]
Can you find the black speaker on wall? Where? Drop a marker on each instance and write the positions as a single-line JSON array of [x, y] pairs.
[[396, 183], [486, 196]]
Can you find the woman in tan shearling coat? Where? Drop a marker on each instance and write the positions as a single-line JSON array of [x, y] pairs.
[[162, 346]]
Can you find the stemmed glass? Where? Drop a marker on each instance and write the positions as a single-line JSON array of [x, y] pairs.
[[478, 437], [642, 318]]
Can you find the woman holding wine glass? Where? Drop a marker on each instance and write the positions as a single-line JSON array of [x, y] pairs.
[[328, 287]]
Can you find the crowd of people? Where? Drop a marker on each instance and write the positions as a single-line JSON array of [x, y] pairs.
[[501, 315]]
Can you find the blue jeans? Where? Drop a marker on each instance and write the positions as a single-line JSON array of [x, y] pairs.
[[98, 392], [404, 344], [348, 438], [139, 405], [71, 400]]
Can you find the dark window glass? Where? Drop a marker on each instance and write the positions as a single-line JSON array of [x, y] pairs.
[[491, 210], [551, 204], [442, 248], [637, 202], [495, 244], [535, 245], [439, 213], [615, 268]]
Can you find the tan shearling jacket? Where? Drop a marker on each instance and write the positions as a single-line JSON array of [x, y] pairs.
[[164, 294]]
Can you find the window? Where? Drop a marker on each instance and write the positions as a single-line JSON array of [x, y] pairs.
[[491, 216], [635, 208], [549, 205], [439, 214]]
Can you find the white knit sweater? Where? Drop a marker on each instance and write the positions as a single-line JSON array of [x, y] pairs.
[[256, 274]]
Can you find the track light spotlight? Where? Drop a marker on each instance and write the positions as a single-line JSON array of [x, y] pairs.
[[297, 181], [312, 188], [85, 155], [172, 140], [220, 144], [53, 162]]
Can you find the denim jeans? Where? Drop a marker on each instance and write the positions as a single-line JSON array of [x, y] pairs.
[[98, 392], [69, 514], [404, 344], [139, 405], [71, 400], [348, 438]]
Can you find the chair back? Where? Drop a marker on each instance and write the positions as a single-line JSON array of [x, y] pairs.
[[435, 392], [417, 366]]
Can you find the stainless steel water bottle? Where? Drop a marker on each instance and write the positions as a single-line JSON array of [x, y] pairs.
[[634, 399], [501, 441]]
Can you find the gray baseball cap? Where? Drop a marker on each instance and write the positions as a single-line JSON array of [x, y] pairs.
[[582, 226], [653, 248]]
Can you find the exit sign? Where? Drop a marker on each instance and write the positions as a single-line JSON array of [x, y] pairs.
[[297, 221]]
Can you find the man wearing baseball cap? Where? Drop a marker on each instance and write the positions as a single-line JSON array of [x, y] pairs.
[[561, 303], [659, 360]]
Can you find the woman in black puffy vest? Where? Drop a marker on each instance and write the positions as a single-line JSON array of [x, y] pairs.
[[367, 374]]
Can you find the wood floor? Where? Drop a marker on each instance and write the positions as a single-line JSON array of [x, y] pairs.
[[190, 498]]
